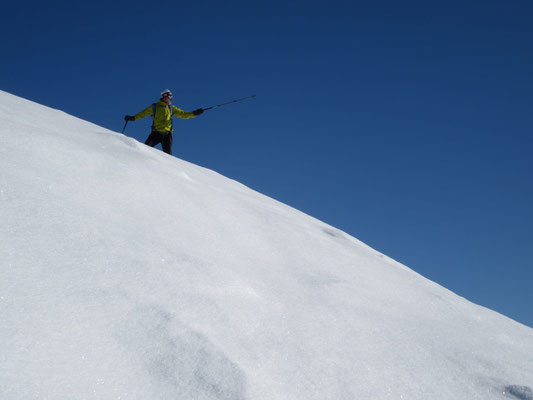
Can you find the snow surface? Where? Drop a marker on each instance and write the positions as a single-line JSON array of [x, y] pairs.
[[130, 274]]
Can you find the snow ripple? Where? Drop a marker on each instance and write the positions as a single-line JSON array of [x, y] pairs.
[[180, 360]]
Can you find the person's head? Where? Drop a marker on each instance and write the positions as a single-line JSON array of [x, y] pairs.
[[166, 96]]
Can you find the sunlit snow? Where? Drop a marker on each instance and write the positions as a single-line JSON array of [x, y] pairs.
[[130, 274]]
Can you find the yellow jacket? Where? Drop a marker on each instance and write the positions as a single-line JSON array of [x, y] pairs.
[[163, 116]]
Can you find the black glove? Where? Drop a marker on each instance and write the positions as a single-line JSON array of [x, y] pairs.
[[129, 118], [198, 111]]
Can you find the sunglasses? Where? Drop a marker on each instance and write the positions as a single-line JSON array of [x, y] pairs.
[[167, 95]]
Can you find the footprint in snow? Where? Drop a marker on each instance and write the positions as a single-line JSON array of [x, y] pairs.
[[519, 392]]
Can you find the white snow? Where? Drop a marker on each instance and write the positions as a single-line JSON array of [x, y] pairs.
[[130, 274]]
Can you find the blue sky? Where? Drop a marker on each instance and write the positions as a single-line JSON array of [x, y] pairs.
[[407, 125]]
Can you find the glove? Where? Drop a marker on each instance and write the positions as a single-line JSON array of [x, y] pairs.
[[198, 111], [129, 118]]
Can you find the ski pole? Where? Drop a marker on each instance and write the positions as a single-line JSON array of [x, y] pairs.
[[123, 129], [229, 102]]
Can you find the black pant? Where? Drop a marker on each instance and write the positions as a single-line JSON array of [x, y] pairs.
[[159, 137]]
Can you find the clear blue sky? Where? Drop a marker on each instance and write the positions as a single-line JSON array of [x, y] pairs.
[[408, 125]]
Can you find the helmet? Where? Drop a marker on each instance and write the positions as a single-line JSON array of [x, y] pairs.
[[166, 93]]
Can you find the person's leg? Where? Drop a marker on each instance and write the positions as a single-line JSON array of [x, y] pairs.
[[167, 143], [153, 139]]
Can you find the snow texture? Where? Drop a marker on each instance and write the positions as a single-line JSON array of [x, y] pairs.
[[130, 274]]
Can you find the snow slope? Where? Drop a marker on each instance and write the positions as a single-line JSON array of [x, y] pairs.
[[129, 274]]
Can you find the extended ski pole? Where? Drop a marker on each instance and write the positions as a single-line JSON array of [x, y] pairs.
[[123, 129], [229, 102]]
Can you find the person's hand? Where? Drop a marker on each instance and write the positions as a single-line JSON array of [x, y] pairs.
[[129, 118], [199, 111]]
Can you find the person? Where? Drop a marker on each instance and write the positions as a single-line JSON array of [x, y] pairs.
[[162, 113]]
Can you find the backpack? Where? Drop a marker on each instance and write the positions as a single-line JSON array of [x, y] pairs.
[[153, 116]]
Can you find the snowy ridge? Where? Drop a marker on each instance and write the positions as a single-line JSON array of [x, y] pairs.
[[130, 274]]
